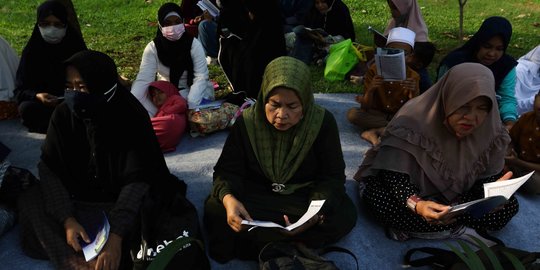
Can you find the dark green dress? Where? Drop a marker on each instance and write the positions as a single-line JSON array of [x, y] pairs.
[[238, 172]]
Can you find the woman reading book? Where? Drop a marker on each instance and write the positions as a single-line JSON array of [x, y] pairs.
[[437, 151], [284, 153], [100, 155]]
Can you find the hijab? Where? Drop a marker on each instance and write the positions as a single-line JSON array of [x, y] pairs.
[[491, 27], [413, 19], [280, 153], [336, 21], [174, 102], [94, 158], [41, 66], [417, 141], [174, 54]]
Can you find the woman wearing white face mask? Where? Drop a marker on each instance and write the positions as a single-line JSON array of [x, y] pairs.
[[40, 77], [176, 57]]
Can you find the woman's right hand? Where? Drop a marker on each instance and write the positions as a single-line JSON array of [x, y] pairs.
[[434, 213], [236, 212], [74, 230]]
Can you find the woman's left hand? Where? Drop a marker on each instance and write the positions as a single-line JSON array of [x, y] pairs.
[[110, 255], [317, 219]]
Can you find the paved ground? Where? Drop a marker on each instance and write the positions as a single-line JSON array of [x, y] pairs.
[[194, 159]]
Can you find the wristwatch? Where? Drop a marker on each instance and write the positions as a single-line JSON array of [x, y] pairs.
[[412, 201]]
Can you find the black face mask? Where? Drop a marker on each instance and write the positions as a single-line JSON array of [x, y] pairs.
[[84, 105]]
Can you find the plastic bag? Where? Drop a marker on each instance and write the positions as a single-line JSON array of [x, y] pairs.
[[342, 58]]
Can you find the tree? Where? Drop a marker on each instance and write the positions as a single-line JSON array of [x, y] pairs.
[[461, 7]]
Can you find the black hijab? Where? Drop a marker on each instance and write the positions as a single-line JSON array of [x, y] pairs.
[[95, 158], [337, 21], [41, 68], [174, 54], [491, 27]]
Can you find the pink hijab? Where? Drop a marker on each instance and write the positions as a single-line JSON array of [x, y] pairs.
[[175, 104], [413, 21], [418, 143]]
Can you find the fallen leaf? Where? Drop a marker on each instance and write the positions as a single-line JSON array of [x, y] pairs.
[[536, 24], [520, 16]]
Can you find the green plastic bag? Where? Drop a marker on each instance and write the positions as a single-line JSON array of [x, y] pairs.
[[343, 58]]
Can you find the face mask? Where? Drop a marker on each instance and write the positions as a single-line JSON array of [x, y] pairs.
[[52, 35], [173, 32], [87, 105]]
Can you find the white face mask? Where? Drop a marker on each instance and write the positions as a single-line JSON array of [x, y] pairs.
[[52, 35], [173, 32]]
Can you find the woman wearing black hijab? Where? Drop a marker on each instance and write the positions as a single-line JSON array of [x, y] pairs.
[[176, 57], [40, 76], [488, 47], [100, 155]]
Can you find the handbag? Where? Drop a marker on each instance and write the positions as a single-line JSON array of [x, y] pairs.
[[170, 233], [342, 58], [208, 120]]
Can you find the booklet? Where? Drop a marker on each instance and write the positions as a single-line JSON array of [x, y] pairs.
[[378, 37], [97, 228], [208, 6], [390, 64], [312, 210], [495, 194]]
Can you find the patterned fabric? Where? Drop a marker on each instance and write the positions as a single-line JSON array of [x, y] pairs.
[[418, 143], [387, 193], [206, 121], [280, 153]]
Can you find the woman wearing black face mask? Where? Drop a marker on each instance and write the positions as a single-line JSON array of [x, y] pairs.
[[100, 154], [40, 76]]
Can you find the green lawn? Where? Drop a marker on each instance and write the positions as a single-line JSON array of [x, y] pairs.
[[122, 28]]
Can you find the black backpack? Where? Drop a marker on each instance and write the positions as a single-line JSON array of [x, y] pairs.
[[296, 256]]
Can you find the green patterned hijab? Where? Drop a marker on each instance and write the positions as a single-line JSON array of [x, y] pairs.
[[280, 153]]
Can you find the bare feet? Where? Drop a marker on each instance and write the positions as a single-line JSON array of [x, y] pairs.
[[371, 136]]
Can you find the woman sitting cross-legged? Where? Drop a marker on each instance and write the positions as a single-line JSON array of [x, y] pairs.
[[176, 57], [437, 151], [284, 153], [100, 156]]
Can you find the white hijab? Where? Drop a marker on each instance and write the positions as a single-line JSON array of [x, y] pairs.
[[527, 80]]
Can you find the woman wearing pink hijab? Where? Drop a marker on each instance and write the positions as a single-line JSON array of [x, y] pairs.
[[406, 13], [170, 120]]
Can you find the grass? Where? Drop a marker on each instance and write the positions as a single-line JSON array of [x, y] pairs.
[[122, 28]]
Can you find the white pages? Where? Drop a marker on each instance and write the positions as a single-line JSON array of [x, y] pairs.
[[208, 6], [390, 64], [312, 210]]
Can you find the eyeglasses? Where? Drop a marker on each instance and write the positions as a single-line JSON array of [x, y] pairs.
[[54, 24]]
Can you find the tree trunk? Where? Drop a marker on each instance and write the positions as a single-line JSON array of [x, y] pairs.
[[461, 7]]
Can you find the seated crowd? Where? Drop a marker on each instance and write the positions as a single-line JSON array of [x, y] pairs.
[[434, 145]]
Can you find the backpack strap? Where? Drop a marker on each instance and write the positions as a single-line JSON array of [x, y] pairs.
[[166, 255], [329, 249], [438, 256]]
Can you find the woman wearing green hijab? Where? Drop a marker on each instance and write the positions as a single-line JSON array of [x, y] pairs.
[[284, 153]]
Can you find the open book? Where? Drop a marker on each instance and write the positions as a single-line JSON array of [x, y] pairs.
[[97, 228], [495, 194], [312, 210], [208, 6], [390, 64]]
